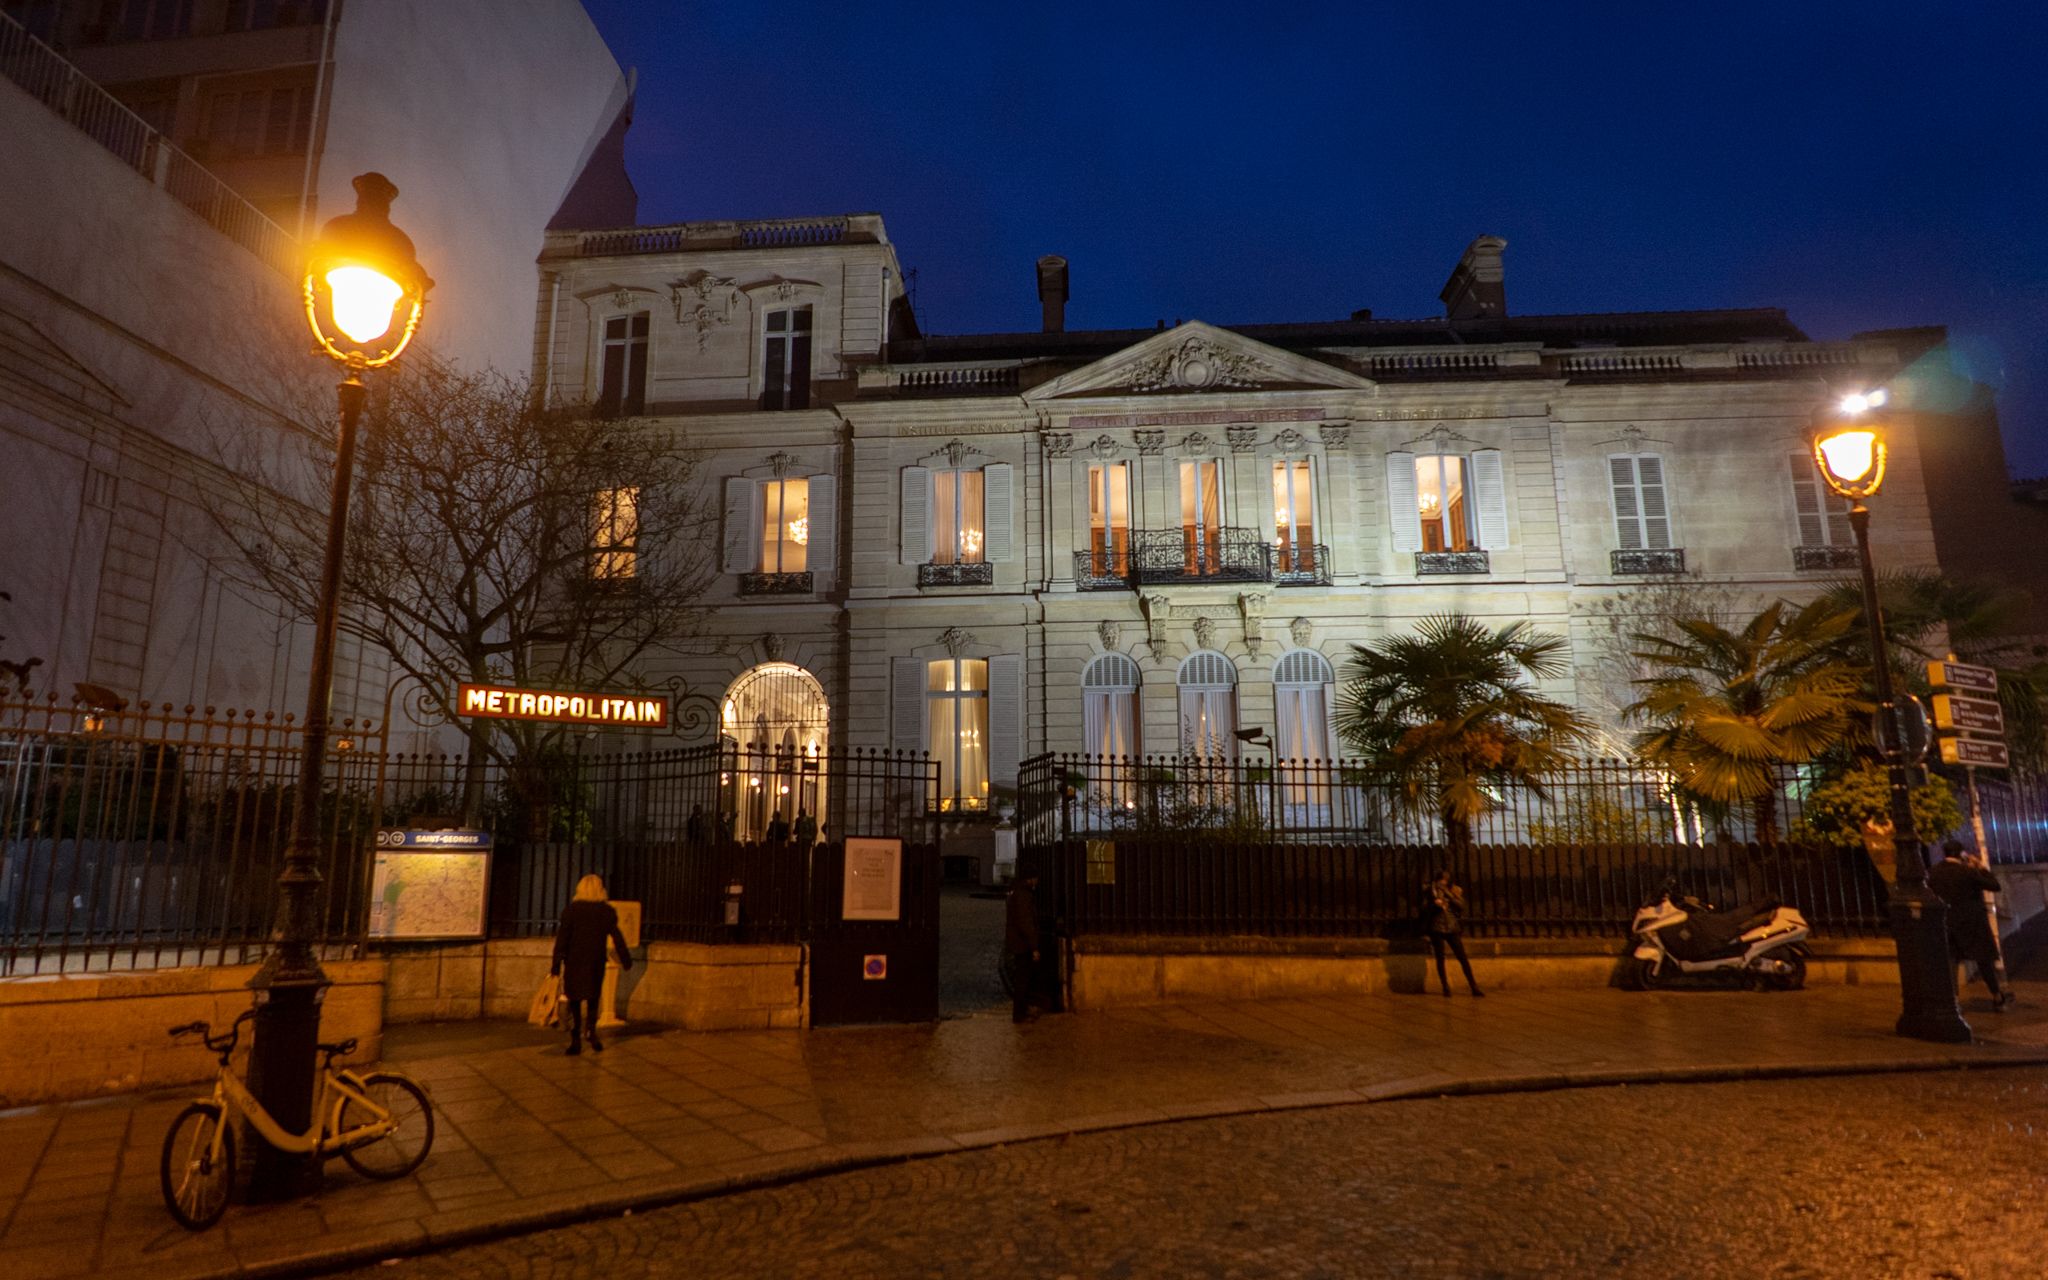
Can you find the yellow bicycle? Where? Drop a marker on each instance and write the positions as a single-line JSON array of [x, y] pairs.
[[380, 1123]]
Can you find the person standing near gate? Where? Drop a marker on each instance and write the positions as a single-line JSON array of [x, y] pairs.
[[1443, 919], [1020, 942], [588, 925], [1961, 881]]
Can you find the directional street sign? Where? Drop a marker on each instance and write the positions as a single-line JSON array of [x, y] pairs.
[[1963, 678], [1955, 711], [1989, 755]]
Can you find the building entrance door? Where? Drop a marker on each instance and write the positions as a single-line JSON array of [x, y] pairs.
[[874, 931]]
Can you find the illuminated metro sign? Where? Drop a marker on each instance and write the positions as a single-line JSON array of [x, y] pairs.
[[641, 711]]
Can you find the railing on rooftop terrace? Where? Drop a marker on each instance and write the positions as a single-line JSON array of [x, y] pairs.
[[1796, 356], [774, 233], [1435, 362], [954, 382], [1621, 362], [64, 89]]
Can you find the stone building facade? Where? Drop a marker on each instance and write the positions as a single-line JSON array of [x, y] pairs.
[[1123, 542]]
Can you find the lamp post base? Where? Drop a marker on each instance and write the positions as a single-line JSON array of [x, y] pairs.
[[1927, 980], [282, 1062]]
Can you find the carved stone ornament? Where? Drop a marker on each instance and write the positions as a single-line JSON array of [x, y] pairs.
[[955, 640], [781, 463], [1251, 609], [1205, 633], [704, 301], [1242, 439], [1303, 631], [1104, 447], [957, 452], [1156, 611], [1194, 442], [1150, 443], [771, 647], [1289, 440], [1197, 365], [1058, 443], [1110, 631], [1336, 437], [622, 299]]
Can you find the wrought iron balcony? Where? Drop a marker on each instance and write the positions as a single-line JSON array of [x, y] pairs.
[[1102, 570], [1303, 566], [956, 575], [775, 584], [1202, 555], [1825, 559], [1430, 562], [1647, 560]]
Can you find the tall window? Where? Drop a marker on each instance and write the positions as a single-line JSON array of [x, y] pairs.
[[1294, 522], [625, 366], [1109, 706], [786, 359], [1440, 502], [1208, 706], [259, 122], [785, 526], [1109, 519], [1302, 684], [1642, 516], [956, 701], [1201, 515], [615, 534], [1823, 518], [957, 510]]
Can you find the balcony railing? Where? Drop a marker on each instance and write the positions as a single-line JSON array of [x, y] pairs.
[[956, 575], [1824, 559], [1199, 555], [1302, 566], [1433, 562], [775, 584], [1647, 560], [1102, 570]]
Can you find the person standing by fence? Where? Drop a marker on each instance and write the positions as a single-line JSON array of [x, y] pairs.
[[1962, 881], [1443, 919], [588, 925], [1020, 942]]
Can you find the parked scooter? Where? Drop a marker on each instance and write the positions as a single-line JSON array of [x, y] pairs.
[[1763, 944]]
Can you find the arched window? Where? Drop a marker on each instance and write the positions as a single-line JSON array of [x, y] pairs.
[[1208, 706], [1109, 706], [1303, 685], [774, 723]]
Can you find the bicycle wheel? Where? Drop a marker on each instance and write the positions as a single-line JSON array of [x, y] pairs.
[[196, 1182], [399, 1152]]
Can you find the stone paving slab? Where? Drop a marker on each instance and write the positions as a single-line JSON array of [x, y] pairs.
[[529, 1137]]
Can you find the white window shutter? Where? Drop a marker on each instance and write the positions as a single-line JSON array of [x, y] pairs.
[[997, 501], [1401, 502], [906, 704], [742, 525], [1490, 495], [1806, 500], [822, 553], [1628, 522], [1656, 509], [917, 515], [1005, 717]]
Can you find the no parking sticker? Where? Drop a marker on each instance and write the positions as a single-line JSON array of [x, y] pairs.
[[874, 968]]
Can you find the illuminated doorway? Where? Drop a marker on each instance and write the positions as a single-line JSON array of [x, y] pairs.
[[774, 723]]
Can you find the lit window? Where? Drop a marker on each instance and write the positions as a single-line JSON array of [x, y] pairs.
[[956, 700], [785, 526], [1294, 523], [957, 517], [1109, 519], [1201, 515], [615, 534], [786, 359], [1208, 707], [624, 389], [1440, 502]]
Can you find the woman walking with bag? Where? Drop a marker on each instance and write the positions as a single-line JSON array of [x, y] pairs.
[[587, 926], [1443, 919]]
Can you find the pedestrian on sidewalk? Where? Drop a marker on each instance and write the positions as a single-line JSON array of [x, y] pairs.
[[1961, 881], [1020, 942], [589, 923], [1443, 919]]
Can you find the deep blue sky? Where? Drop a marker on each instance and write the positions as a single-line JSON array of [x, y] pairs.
[[1863, 165]]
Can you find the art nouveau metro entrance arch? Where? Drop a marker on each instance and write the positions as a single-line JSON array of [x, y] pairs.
[[774, 722]]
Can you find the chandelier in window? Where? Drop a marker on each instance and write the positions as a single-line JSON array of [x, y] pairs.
[[970, 541], [1431, 506], [800, 531]]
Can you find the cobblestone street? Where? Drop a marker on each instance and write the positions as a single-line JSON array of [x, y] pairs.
[[1938, 1175]]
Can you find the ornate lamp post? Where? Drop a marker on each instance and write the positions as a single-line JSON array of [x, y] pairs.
[[1849, 446], [364, 294]]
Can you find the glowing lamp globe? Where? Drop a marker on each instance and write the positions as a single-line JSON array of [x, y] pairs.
[[1851, 457], [365, 291]]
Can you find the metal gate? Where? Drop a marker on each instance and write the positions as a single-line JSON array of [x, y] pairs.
[[865, 965]]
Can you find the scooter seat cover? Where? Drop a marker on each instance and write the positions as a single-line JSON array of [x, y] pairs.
[[1710, 932]]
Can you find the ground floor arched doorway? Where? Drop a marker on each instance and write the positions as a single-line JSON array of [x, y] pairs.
[[774, 723]]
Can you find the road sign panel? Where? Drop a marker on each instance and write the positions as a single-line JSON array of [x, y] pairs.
[[1955, 711], [1985, 755], [1963, 677]]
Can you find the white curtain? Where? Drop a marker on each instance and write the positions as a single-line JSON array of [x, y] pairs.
[[1302, 734], [1208, 723], [1109, 722]]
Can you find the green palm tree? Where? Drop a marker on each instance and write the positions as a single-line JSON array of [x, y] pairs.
[[1725, 710], [1442, 713]]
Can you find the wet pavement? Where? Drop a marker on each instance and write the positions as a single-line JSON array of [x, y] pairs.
[[530, 1137]]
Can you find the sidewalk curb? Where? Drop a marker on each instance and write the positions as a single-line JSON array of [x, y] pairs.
[[473, 1226]]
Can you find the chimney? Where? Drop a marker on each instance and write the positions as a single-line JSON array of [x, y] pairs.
[[1052, 292], [1478, 288]]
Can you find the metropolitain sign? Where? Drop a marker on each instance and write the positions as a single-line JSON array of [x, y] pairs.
[[641, 711]]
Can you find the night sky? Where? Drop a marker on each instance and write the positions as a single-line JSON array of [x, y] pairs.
[[1862, 165]]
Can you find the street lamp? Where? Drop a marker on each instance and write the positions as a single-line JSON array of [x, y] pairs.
[[364, 294], [1849, 447]]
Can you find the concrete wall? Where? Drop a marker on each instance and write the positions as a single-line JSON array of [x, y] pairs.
[[87, 1035]]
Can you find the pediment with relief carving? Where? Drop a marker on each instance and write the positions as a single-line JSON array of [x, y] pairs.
[[1196, 358]]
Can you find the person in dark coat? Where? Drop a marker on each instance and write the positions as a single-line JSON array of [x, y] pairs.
[[1020, 942], [588, 924], [806, 829], [778, 829], [1443, 920], [697, 827], [1962, 881]]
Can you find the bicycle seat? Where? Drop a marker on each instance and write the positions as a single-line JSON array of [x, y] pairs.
[[341, 1050]]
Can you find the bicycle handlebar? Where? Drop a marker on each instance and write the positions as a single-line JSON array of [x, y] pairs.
[[223, 1044]]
